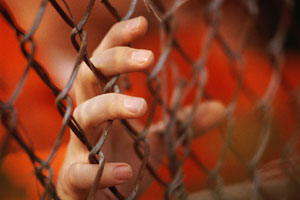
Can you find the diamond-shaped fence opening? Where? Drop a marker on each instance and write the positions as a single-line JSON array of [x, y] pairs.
[[243, 53]]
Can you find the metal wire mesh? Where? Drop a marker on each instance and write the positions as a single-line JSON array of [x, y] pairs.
[[174, 189]]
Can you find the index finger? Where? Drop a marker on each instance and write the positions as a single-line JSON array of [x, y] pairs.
[[122, 33]]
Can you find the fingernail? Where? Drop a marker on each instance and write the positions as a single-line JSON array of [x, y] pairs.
[[133, 104], [133, 23], [140, 56], [122, 173]]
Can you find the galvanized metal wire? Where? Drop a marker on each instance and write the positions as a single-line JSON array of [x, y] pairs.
[[174, 189]]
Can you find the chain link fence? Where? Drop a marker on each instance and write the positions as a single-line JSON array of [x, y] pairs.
[[277, 179]]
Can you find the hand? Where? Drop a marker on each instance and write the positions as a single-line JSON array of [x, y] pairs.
[[111, 57]]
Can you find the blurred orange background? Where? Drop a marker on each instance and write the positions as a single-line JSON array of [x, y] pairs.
[[41, 121]]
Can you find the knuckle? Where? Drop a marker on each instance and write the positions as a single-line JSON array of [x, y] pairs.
[[116, 27], [115, 108], [84, 76], [119, 32], [118, 56], [81, 76], [79, 116], [76, 113], [144, 23], [125, 37], [72, 174]]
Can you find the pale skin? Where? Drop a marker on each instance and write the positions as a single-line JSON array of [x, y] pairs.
[[113, 57]]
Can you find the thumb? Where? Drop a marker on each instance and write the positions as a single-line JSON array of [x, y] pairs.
[[208, 115]]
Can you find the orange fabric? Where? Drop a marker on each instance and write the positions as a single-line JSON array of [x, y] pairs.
[[37, 112]]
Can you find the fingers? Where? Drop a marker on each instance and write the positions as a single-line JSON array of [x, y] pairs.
[[208, 115], [112, 59], [92, 113], [115, 61], [81, 176], [122, 60], [123, 33]]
